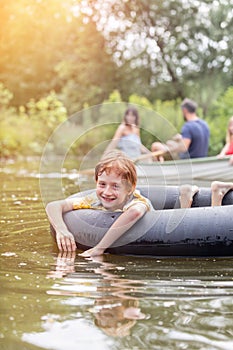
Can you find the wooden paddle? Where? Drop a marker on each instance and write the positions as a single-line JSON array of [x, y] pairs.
[[91, 171], [150, 155]]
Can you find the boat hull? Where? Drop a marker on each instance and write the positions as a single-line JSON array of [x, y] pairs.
[[176, 172], [169, 231]]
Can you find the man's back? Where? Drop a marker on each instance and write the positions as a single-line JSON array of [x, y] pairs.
[[198, 132]]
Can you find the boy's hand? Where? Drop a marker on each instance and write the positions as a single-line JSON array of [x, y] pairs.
[[65, 241], [92, 252]]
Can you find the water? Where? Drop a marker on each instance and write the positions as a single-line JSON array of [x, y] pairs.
[[64, 302]]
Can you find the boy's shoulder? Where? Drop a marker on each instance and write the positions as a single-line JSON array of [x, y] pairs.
[[138, 198], [86, 201]]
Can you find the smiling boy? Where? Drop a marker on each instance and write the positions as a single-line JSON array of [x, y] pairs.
[[116, 180]]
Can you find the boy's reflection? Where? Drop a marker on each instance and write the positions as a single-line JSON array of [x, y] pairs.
[[115, 312], [64, 265]]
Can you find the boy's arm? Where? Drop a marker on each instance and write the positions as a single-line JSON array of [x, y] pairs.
[[125, 221], [65, 239]]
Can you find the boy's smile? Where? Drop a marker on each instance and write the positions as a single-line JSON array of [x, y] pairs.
[[112, 191]]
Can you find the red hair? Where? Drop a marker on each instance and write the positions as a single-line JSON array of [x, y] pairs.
[[119, 163]]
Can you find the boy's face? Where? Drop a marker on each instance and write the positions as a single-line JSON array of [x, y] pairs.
[[112, 191]]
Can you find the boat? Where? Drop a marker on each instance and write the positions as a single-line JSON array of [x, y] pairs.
[[201, 230], [176, 172]]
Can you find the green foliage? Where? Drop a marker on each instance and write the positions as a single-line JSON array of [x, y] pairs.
[[26, 130], [48, 110], [157, 49], [5, 96], [220, 113], [140, 100], [171, 111], [15, 136], [115, 96], [171, 49], [86, 71], [9, 132], [223, 107]]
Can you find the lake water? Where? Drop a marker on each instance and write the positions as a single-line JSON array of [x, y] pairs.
[[64, 302]]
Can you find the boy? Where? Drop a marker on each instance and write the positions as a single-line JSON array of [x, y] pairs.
[[116, 180]]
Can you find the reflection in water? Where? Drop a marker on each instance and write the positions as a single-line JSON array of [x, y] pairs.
[[110, 304], [115, 312], [64, 265]]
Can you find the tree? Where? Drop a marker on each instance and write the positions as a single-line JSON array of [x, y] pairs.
[[31, 36], [87, 72], [84, 49], [168, 48], [48, 45]]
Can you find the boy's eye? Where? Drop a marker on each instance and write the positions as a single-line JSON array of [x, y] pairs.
[[101, 184], [116, 187]]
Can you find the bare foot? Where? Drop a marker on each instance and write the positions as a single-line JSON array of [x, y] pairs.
[[186, 195], [158, 146], [161, 159], [219, 189]]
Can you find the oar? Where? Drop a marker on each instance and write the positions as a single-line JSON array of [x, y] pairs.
[[91, 171], [150, 155]]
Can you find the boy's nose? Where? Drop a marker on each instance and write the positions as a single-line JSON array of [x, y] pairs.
[[107, 190]]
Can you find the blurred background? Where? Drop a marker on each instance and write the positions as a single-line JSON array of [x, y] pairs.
[[68, 71], [60, 57]]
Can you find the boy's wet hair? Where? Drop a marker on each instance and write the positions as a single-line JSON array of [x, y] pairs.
[[119, 163], [111, 319]]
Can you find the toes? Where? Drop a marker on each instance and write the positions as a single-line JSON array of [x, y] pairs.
[[185, 189]]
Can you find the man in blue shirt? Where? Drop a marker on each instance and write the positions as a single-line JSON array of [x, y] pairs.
[[194, 139]]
